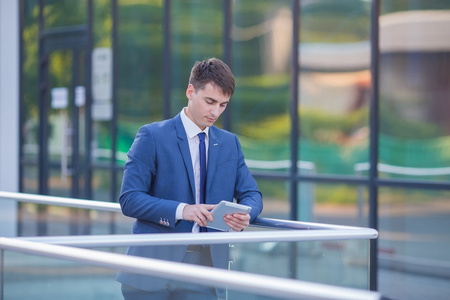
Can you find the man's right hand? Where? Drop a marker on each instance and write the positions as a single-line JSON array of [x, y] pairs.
[[199, 213]]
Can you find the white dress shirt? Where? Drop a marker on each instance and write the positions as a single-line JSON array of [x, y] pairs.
[[192, 131]]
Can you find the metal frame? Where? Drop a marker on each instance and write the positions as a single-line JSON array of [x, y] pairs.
[[289, 231], [373, 152], [252, 283], [114, 101]]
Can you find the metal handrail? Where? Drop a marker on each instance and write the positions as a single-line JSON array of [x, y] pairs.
[[61, 201], [115, 207], [119, 240], [250, 283]]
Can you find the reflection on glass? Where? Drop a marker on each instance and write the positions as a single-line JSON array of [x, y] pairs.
[[414, 107], [29, 82], [336, 204], [414, 239], [261, 43], [45, 220], [341, 263], [140, 71], [275, 198], [334, 84], [63, 13], [48, 220], [35, 277], [101, 108], [101, 180], [196, 34], [30, 179]]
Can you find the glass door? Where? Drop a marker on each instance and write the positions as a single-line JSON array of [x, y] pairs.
[[65, 122], [63, 134]]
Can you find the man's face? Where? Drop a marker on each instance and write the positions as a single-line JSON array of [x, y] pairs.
[[205, 105]]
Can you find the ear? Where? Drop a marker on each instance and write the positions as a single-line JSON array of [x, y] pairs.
[[189, 91]]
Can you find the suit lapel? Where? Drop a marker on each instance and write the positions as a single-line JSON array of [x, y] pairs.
[[213, 152], [183, 146]]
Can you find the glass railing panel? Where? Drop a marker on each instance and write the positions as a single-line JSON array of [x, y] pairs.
[[35, 277], [337, 262], [86, 274], [320, 253], [53, 220]]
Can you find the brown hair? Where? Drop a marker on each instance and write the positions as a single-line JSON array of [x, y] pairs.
[[213, 71]]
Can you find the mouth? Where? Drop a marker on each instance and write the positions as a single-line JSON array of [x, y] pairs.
[[211, 120]]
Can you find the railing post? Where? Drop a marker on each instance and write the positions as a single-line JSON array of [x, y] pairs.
[[1, 273], [294, 88], [374, 119]]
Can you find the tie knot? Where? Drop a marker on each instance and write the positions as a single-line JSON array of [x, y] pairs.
[[201, 136]]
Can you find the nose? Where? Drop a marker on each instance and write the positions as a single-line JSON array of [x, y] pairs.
[[215, 111]]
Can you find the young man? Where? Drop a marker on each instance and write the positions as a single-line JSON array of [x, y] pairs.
[[177, 171]]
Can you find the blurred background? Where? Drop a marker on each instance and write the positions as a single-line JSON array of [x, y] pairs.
[[342, 109]]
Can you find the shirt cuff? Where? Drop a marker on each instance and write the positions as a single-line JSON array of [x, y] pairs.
[[179, 213]]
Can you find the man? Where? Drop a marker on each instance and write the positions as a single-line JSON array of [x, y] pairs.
[[166, 190]]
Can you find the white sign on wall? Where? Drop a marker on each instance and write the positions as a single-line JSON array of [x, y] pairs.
[[60, 97], [102, 75], [102, 84], [80, 96]]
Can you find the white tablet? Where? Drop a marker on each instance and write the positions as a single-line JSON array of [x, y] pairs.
[[226, 208]]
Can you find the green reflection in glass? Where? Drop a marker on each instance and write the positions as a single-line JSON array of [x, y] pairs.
[[339, 204], [29, 79], [335, 21], [388, 6], [140, 64], [261, 43], [275, 198], [414, 113], [62, 13], [196, 34], [334, 85]]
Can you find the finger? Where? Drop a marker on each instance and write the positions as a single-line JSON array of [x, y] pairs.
[[205, 211], [208, 206], [231, 221], [243, 217], [237, 222], [202, 219]]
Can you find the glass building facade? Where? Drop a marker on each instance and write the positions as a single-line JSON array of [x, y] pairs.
[[342, 109]]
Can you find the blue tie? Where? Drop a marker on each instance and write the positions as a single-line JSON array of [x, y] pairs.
[[202, 152]]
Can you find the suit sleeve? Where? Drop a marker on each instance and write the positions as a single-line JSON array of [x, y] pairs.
[[246, 189], [139, 172]]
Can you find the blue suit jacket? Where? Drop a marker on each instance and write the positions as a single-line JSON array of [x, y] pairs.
[[158, 176]]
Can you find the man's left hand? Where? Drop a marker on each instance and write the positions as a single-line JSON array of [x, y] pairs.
[[237, 222]]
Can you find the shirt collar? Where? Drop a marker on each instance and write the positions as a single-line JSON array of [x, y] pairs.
[[190, 127]]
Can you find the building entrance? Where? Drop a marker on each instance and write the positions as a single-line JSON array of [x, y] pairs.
[[62, 116]]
